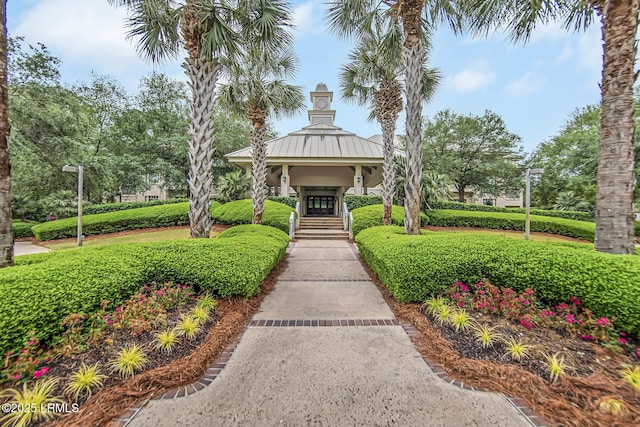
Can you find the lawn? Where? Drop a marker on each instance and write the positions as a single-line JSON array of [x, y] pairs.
[[535, 236]]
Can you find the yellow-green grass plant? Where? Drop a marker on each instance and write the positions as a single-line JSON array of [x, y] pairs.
[[460, 319], [443, 315], [166, 340], [84, 380], [30, 403], [207, 302], [129, 360], [632, 377], [200, 315], [188, 326], [612, 405], [517, 350], [486, 335], [556, 366], [433, 304]]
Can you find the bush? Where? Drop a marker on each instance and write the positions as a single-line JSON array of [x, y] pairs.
[[577, 215], [131, 219], [255, 230], [96, 208], [289, 201], [39, 295], [371, 216], [512, 221], [241, 212], [355, 202], [22, 229], [415, 267]]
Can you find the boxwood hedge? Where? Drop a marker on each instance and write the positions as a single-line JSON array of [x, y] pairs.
[[37, 296], [97, 208], [512, 221], [355, 202], [371, 216], [130, 219], [289, 201], [22, 229], [577, 215], [241, 212], [414, 267]]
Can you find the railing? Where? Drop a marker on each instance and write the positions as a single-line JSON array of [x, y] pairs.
[[292, 226], [298, 215], [345, 216], [350, 228]]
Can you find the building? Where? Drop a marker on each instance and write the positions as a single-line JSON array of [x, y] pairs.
[[320, 162], [513, 199]]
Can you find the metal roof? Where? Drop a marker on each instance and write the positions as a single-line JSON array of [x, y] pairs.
[[318, 141]]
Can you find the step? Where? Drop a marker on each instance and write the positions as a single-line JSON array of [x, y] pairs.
[[321, 226], [322, 234]]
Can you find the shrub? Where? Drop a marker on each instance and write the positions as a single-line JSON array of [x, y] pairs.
[[415, 267], [512, 221], [371, 216], [36, 297], [355, 202], [577, 215], [97, 208], [241, 212], [289, 201], [131, 219], [22, 229]]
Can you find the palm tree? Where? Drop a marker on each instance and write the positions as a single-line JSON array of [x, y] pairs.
[[6, 236], [434, 188], [209, 31], [570, 201], [257, 89], [355, 18], [233, 185], [373, 77], [616, 156]]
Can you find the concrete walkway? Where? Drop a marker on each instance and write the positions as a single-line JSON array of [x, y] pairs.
[[313, 375], [28, 248]]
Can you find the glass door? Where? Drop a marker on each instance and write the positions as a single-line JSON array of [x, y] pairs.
[[320, 205]]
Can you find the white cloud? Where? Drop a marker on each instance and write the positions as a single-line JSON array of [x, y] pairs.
[[307, 18], [525, 85], [471, 78], [552, 31], [589, 49]]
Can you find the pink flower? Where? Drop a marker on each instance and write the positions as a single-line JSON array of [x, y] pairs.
[[109, 322], [638, 352], [575, 301], [623, 334], [41, 372], [464, 288], [562, 306], [570, 318], [622, 340], [18, 376], [603, 321], [119, 309], [586, 337]]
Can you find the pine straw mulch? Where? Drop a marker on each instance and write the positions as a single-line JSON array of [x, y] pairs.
[[233, 314], [571, 401]]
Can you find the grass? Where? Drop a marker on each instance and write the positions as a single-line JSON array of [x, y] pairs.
[[539, 237], [106, 240]]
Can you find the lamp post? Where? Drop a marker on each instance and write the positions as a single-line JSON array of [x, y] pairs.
[[78, 170], [527, 219]]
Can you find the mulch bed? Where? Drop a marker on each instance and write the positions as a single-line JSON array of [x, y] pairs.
[[232, 316], [571, 401]]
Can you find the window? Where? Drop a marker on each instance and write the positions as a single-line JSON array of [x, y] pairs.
[[154, 178], [150, 198], [487, 202]]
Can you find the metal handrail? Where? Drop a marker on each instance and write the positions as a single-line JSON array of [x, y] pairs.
[[298, 214], [292, 225], [345, 216], [350, 228]]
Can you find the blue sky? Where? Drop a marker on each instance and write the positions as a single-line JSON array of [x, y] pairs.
[[534, 87]]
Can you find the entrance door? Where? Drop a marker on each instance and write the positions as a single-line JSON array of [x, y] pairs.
[[320, 205]]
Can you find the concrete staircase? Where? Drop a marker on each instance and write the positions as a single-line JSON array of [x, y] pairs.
[[321, 228]]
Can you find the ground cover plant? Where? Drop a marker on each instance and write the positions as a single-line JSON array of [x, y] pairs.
[[371, 216], [97, 208], [165, 215], [241, 212], [577, 215], [38, 293]]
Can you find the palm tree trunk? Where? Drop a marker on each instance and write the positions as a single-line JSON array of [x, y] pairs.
[[203, 76], [6, 235], [413, 58], [616, 180], [258, 170], [388, 169]]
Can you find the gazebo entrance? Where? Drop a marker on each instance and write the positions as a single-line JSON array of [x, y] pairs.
[[320, 205]]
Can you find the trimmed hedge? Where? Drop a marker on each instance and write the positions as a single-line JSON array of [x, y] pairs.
[[130, 219], [289, 201], [96, 208], [22, 229], [371, 216], [415, 267], [355, 202], [512, 221], [39, 295], [577, 215], [241, 212]]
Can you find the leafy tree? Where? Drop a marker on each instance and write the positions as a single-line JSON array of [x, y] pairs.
[[233, 185], [257, 89], [6, 235], [208, 30], [475, 151]]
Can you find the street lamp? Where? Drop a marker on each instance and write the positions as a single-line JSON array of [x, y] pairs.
[[78, 170], [527, 219]]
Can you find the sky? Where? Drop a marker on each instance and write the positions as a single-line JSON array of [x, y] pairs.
[[534, 87]]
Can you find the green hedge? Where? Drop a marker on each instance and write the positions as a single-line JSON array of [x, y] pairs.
[[131, 219], [415, 267], [355, 202], [512, 221], [37, 296], [371, 216], [91, 209], [241, 212], [577, 215], [289, 201], [22, 229]]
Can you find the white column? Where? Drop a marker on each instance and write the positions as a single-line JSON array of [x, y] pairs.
[[357, 181], [284, 181], [247, 168]]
